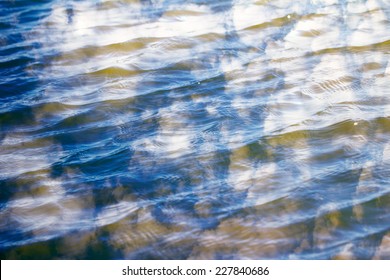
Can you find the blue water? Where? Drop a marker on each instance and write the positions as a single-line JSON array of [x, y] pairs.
[[163, 129]]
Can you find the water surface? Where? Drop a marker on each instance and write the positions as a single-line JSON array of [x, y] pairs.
[[164, 129]]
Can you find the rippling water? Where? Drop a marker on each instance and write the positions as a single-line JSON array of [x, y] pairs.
[[166, 129]]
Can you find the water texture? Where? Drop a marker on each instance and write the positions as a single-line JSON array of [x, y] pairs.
[[167, 129]]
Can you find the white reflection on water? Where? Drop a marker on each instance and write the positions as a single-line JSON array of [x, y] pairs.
[[237, 129]]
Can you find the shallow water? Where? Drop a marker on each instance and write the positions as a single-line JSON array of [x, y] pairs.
[[164, 129]]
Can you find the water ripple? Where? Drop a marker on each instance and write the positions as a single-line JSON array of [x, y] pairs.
[[194, 130]]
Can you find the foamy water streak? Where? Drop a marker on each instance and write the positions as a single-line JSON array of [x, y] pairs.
[[165, 129]]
